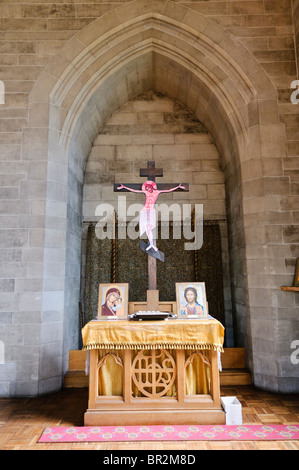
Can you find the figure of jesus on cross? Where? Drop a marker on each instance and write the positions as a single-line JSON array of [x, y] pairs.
[[147, 217]]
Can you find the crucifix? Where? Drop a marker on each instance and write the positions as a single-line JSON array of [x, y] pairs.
[[147, 221]]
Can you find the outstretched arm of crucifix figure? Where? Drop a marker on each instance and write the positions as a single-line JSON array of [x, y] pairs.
[[121, 186]]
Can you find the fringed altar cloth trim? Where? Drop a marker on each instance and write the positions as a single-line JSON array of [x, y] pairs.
[[210, 347]]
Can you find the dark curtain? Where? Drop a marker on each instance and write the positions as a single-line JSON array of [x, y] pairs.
[[208, 261], [98, 270], [123, 261]]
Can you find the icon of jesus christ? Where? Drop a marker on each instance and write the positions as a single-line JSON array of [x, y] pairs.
[[147, 216]]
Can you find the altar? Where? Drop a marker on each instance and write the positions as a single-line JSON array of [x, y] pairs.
[[153, 372]]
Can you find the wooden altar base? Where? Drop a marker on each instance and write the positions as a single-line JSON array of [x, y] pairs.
[[153, 418], [153, 409]]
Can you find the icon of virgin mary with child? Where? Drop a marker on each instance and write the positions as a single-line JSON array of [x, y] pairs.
[[113, 305]]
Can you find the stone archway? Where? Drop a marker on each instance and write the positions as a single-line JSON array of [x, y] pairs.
[[168, 47]]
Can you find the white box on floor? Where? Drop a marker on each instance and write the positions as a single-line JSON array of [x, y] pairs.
[[233, 410]]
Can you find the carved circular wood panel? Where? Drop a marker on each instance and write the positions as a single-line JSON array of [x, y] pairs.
[[153, 372]]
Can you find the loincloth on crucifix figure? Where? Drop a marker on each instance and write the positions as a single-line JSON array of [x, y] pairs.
[[148, 216]]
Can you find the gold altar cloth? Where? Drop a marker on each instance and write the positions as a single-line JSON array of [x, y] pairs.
[[172, 334]]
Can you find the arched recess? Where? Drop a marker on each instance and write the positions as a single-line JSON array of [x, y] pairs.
[[136, 47]]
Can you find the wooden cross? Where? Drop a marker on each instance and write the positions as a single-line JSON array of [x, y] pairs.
[[151, 172]]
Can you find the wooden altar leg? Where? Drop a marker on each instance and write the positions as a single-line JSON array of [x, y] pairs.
[[215, 383], [93, 377], [181, 384], [127, 387]]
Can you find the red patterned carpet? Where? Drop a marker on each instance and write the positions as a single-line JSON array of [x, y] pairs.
[[170, 433]]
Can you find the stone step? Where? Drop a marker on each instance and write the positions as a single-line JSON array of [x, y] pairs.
[[76, 379], [235, 377]]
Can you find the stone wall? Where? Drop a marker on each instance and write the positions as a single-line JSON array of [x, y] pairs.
[[39, 199], [32, 33]]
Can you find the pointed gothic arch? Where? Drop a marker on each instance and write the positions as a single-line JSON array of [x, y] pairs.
[[171, 48]]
